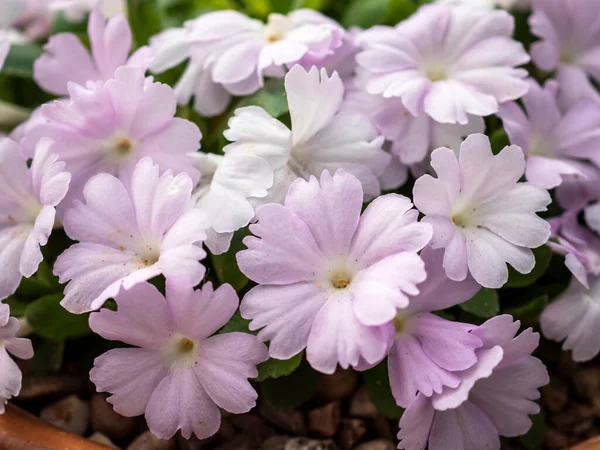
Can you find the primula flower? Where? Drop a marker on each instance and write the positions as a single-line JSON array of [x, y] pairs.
[[227, 185], [412, 138], [579, 245], [10, 374], [575, 317], [448, 61], [427, 348], [323, 136], [67, 59], [28, 197], [495, 397], [489, 4], [592, 216], [130, 234], [240, 51], [555, 143], [569, 43], [4, 47], [327, 276], [108, 127], [180, 375], [480, 213], [76, 9]]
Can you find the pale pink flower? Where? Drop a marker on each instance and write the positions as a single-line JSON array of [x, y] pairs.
[[428, 349], [177, 374], [67, 59], [569, 43], [495, 397], [230, 53], [28, 197], [227, 186], [323, 135], [446, 61], [575, 318], [4, 47], [10, 374], [107, 127], [328, 277], [480, 213], [130, 234], [556, 143]]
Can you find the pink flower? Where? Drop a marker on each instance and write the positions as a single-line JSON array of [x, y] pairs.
[[555, 142], [570, 40], [448, 61], [130, 234], [4, 47], [227, 188], [328, 278], [575, 318], [580, 246], [323, 136], [108, 127], [28, 197], [177, 374], [495, 396], [67, 59], [480, 213], [427, 348], [10, 374]]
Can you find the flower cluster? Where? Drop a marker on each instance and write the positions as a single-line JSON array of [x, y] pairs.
[[392, 117]]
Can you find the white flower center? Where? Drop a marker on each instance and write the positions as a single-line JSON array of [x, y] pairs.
[[119, 148], [147, 256], [540, 144], [401, 324], [182, 351], [338, 276], [276, 28], [463, 216], [568, 53], [435, 69]]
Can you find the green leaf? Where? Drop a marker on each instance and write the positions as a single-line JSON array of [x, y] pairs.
[[292, 390], [226, 265], [484, 304], [276, 368], [499, 140], [145, 19], [399, 10], [17, 307], [19, 62], [378, 385], [365, 13], [48, 357], [237, 323], [257, 8], [534, 437], [529, 312], [318, 5], [51, 321], [271, 98], [543, 256], [43, 282]]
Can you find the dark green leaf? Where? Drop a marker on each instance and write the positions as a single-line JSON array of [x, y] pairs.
[[399, 10], [276, 368], [145, 19], [378, 384], [365, 13], [43, 282], [318, 5], [17, 307], [226, 265], [237, 323], [484, 304], [51, 321], [534, 437], [499, 140], [271, 98], [259, 8], [543, 255], [292, 390], [529, 312], [48, 357], [19, 62]]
